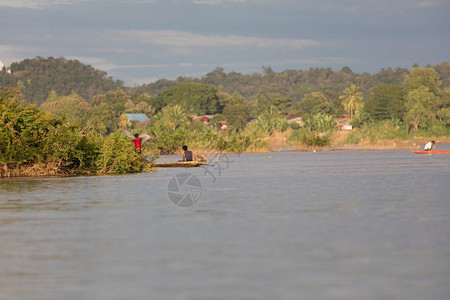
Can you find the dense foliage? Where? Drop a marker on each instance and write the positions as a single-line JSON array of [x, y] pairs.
[[386, 101], [194, 97], [78, 129], [294, 84], [30, 137], [172, 129], [37, 77], [117, 156]]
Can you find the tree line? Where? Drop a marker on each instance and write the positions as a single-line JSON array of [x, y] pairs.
[[37, 77], [238, 98], [76, 131]]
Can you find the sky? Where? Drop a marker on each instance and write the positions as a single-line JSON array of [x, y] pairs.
[[141, 41]]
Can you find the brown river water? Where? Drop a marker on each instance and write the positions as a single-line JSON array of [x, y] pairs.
[[289, 225]]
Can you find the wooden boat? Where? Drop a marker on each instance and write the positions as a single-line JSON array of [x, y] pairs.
[[430, 152], [178, 164]]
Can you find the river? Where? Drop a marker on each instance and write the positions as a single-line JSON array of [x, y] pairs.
[[290, 225]]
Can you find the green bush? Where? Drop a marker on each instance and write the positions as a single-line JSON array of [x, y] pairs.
[[117, 156], [201, 137], [438, 128], [310, 138], [353, 138], [381, 130], [29, 136]]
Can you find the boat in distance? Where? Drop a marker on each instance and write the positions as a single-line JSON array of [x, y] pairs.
[[430, 151], [178, 164]]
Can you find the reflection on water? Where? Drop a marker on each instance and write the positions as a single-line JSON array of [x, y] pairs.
[[295, 225]]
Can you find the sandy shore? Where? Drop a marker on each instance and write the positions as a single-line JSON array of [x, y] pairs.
[[279, 142]]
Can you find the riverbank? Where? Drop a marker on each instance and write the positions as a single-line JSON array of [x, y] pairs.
[[40, 170], [278, 142]]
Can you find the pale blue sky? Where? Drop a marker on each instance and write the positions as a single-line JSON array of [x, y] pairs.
[[140, 41]]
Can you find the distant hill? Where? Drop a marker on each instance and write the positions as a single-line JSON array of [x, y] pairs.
[[293, 84], [37, 77]]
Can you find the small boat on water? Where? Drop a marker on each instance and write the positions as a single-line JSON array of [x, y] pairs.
[[430, 151], [178, 164]]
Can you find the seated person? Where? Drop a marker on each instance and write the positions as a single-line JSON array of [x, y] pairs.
[[429, 146], [187, 154]]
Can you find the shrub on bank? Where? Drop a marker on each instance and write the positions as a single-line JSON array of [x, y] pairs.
[[29, 136], [117, 156], [393, 130], [203, 138], [31, 139], [382, 130], [310, 138]]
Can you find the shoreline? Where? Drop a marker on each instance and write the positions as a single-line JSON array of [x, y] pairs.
[[276, 144]]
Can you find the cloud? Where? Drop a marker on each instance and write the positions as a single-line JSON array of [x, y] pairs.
[[142, 80], [222, 2], [118, 50], [343, 8], [139, 1], [217, 2], [431, 3], [42, 4], [37, 4], [183, 40], [104, 65], [98, 63], [10, 53], [321, 61]]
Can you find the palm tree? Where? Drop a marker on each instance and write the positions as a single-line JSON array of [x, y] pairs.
[[323, 122], [173, 116], [271, 112], [352, 99]]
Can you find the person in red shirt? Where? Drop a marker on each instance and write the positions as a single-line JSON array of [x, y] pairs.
[[138, 141]]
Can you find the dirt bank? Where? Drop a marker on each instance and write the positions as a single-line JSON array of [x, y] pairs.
[[37, 170], [279, 142]]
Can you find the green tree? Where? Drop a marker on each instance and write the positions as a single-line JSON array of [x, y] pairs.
[[352, 99], [172, 117], [422, 77], [425, 101], [314, 103], [237, 112], [106, 109], [444, 107], [117, 156], [193, 97], [74, 108], [386, 101], [335, 102], [323, 122], [37, 77], [140, 104], [282, 104], [271, 119], [421, 107], [29, 136]]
